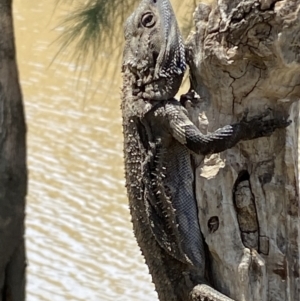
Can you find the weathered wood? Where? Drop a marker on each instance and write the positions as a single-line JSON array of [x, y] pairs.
[[13, 173], [246, 55]]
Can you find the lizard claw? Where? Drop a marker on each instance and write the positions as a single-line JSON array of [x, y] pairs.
[[271, 125], [261, 116], [266, 113], [258, 126], [245, 115]]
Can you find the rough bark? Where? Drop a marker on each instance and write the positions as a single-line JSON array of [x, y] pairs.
[[246, 55], [13, 173]]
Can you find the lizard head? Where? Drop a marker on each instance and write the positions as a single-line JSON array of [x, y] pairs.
[[154, 50]]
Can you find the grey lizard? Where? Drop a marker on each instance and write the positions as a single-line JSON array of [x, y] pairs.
[[158, 140]]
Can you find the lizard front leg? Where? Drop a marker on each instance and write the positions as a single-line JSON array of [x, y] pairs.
[[188, 134], [184, 130]]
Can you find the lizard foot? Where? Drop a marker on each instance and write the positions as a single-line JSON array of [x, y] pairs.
[[203, 292], [190, 96], [257, 126]]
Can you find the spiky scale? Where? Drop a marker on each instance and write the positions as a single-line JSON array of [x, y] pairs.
[[158, 138]]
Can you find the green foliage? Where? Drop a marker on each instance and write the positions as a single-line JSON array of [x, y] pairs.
[[93, 25]]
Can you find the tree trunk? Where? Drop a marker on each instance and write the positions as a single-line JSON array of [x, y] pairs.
[[13, 173], [246, 55]]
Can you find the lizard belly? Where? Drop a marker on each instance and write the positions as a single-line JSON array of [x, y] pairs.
[[179, 180]]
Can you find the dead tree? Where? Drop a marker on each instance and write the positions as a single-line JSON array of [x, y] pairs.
[[245, 55], [13, 173]]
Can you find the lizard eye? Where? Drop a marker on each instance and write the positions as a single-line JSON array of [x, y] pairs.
[[148, 20]]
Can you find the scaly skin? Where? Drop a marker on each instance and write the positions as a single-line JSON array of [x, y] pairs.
[[158, 140]]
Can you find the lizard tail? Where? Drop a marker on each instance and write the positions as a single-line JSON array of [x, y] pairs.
[[203, 292]]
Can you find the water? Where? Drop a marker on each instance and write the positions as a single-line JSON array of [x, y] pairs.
[[80, 244]]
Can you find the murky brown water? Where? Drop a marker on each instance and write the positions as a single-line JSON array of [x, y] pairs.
[[79, 238]]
